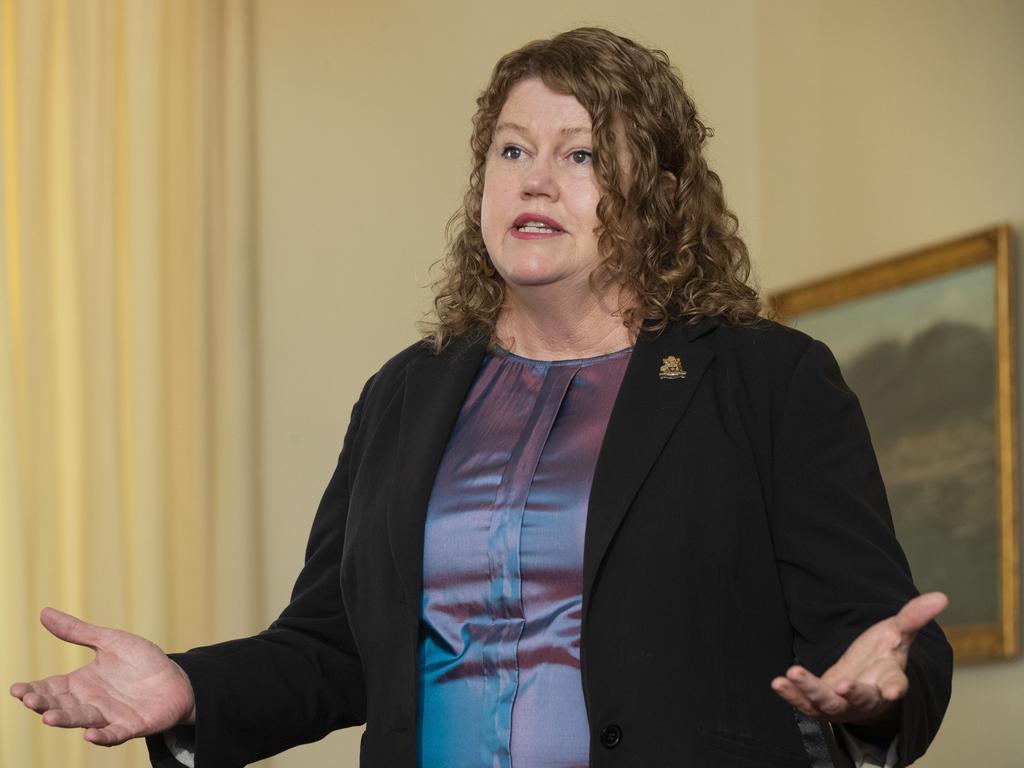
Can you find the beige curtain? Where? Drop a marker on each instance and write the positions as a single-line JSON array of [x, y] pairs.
[[127, 433]]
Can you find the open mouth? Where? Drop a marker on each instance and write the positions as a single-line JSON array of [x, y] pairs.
[[538, 228], [533, 224]]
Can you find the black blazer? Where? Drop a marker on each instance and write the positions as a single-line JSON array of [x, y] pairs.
[[737, 522]]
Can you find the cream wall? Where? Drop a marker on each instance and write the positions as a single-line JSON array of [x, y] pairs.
[[826, 115]]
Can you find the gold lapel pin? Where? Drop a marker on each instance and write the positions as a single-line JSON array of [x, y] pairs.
[[671, 368]]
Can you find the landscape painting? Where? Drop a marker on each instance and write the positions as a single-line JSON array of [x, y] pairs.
[[924, 340]]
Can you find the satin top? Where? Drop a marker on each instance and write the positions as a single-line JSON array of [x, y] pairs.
[[499, 661]]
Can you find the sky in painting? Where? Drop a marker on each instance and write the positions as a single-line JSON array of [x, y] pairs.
[[965, 296]]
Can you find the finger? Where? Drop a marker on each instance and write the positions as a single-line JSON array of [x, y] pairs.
[[110, 736], [45, 694], [75, 716], [893, 684], [48, 686], [793, 696], [39, 702], [19, 690], [862, 696], [919, 611], [70, 628], [818, 692]]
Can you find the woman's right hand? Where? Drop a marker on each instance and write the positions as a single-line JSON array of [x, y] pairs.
[[131, 688]]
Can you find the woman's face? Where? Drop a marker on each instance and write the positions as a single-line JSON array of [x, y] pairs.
[[539, 208]]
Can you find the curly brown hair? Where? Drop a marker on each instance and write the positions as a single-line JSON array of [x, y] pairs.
[[667, 236]]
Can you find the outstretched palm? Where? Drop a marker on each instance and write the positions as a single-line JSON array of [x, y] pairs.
[[131, 688], [864, 684]]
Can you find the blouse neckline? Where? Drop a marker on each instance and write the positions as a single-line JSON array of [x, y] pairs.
[[500, 351]]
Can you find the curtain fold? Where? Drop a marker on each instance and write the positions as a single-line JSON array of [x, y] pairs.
[[127, 367]]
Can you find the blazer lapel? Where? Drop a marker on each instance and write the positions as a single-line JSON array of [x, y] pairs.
[[435, 389], [655, 393]]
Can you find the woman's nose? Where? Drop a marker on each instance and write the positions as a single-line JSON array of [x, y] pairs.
[[539, 180]]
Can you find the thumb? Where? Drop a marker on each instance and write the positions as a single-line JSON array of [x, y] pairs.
[[71, 629], [919, 611]]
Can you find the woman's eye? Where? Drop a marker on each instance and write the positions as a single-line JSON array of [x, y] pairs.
[[581, 156], [511, 152]]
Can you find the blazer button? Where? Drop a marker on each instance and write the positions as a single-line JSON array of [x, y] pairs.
[[611, 735]]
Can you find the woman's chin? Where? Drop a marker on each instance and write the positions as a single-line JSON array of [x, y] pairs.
[[539, 284]]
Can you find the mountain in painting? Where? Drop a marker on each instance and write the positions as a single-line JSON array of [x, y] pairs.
[[929, 403]]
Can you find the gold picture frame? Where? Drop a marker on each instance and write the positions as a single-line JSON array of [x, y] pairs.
[[926, 340]]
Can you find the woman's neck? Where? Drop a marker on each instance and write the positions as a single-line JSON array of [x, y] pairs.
[[546, 328]]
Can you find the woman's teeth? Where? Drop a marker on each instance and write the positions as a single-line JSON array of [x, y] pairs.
[[533, 227]]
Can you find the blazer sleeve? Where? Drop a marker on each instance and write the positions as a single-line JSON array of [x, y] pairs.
[[839, 563], [299, 679]]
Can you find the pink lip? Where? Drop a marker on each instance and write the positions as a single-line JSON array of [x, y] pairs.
[[524, 218]]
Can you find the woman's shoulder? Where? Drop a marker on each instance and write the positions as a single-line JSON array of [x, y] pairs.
[[398, 364], [393, 373], [767, 358], [763, 344], [389, 377]]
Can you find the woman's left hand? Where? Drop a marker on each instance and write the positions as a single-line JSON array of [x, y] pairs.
[[870, 677]]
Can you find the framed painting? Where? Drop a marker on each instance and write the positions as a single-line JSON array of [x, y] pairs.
[[925, 339]]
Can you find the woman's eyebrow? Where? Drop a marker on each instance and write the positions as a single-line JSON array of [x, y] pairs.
[[517, 128]]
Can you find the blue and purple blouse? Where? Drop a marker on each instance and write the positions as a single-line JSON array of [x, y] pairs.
[[499, 673]]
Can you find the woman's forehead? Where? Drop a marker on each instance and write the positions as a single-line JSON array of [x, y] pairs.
[[532, 105]]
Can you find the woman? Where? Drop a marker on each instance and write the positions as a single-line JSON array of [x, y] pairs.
[[593, 516]]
